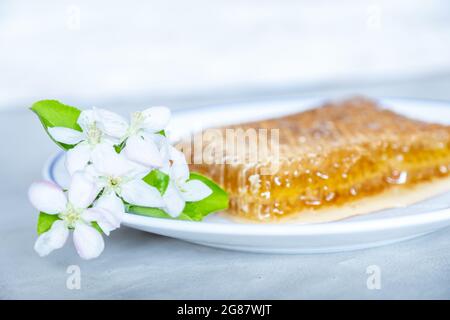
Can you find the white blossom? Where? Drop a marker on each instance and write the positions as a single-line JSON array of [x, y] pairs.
[[141, 137], [85, 141], [103, 177], [75, 213], [116, 176], [180, 188]]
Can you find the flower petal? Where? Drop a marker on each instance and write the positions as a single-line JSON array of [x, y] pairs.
[[91, 171], [88, 241], [179, 170], [111, 123], [175, 154], [53, 239], [107, 220], [82, 190], [155, 119], [139, 193], [174, 202], [195, 190], [108, 162], [164, 149], [110, 201], [86, 119], [143, 151], [66, 135], [108, 212], [78, 157], [47, 197]]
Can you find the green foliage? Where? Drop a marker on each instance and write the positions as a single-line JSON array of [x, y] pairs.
[[53, 113]]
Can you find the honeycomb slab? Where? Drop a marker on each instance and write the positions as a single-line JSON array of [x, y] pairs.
[[335, 161]]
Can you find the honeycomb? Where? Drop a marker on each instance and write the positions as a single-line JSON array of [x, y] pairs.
[[326, 157]]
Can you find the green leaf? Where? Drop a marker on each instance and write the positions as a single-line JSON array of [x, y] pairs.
[[217, 201], [119, 147], [194, 211], [53, 113], [157, 179], [153, 212], [45, 222], [95, 225]]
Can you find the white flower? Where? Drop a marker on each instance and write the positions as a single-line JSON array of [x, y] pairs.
[[180, 189], [119, 177], [142, 143], [85, 141], [74, 214]]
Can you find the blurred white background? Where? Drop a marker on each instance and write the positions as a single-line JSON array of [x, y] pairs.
[[146, 52]]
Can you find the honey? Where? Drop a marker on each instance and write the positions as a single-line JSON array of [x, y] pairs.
[[331, 156]]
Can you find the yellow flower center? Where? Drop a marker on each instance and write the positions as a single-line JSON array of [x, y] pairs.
[[71, 215], [94, 134]]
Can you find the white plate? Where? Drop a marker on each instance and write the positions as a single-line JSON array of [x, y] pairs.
[[366, 231]]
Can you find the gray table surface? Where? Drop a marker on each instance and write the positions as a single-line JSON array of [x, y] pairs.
[[140, 265]]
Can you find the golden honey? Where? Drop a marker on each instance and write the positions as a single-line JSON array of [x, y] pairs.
[[329, 157]]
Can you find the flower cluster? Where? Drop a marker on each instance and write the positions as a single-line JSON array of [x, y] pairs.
[[107, 161]]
